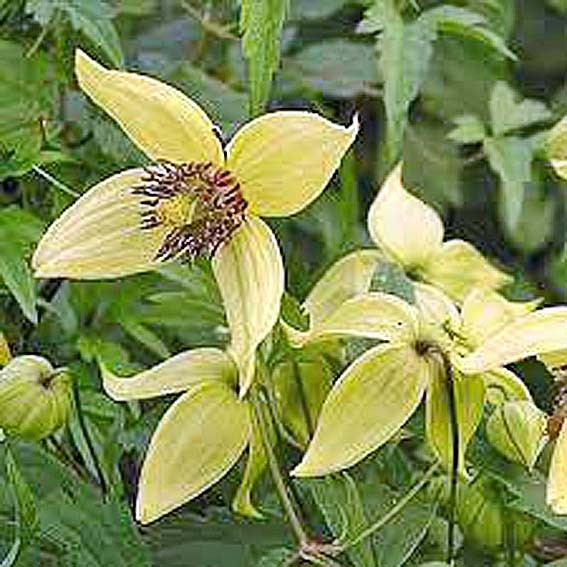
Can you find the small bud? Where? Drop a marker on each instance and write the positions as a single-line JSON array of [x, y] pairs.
[[517, 429], [35, 398]]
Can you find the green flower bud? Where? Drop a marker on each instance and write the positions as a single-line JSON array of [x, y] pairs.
[[35, 398], [517, 429]]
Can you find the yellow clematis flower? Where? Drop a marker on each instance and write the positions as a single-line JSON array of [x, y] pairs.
[[197, 199], [199, 438], [381, 389], [411, 233]]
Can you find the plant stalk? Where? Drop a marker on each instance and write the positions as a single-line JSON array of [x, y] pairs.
[[277, 477]]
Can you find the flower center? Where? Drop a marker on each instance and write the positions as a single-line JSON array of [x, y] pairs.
[[198, 204]]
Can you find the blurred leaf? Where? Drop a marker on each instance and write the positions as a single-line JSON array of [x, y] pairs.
[[507, 114], [469, 129], [310, 10], [511, 157], [391, 278], [261, 22], [337, 68], [93, 18], [26, 99]]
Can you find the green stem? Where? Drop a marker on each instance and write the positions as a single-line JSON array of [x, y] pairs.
[[88, 439], [61, 186], [279, 482], [303, 399], [450, 383], [393, 512]]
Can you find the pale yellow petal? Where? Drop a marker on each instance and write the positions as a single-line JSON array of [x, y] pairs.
[[503, 385], [435, 307], [557, 480], [176, 374], [284, 160], [346, 278], [536, 333], [485, 311], [250, 274], [5, 353], [372, 315], [196, 443], [458, 267], [407, 229], [100, 235], [555, 361], [368, 404], [159, 119], [469, 401], [556, 147]]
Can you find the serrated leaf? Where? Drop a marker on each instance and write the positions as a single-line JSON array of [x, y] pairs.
[[93, 18], [261, 22], [511, 157], [469, 129], [507, 113]]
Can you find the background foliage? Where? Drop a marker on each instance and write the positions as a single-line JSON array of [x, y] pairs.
[[464, 91]]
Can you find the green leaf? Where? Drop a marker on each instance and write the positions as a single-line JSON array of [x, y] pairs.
[[338, 498], [27, 95], [26, 512], [457, 20], [507, 114], [337, 68], [93, 18], [469, 129], [511, 158], [261, 22], [405, 53], [18, 231]]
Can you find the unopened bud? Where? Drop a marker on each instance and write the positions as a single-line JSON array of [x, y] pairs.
[[35, 398], [517, 429]]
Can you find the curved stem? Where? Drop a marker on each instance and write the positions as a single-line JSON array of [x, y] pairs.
[[394, 511], [279, 482]]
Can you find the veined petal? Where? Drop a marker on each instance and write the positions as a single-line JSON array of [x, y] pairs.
[[484, 312], [458, 267], [176, 374], [159, 119], [435, 307], [536, 333], [285, 159], [469, 401], [557, 480], [198, 440], [368, 404], [407, 229], [372, 315], [100, 235], [346, 278], [250, 274], [502, 385]]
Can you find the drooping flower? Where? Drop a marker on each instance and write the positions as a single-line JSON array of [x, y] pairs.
[[381, 389], [199, 438], [196, 199], [411, 233]]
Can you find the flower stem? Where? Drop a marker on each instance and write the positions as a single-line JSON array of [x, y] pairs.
[[453, 417], [277, 477], [61, 186], [394, 511]]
